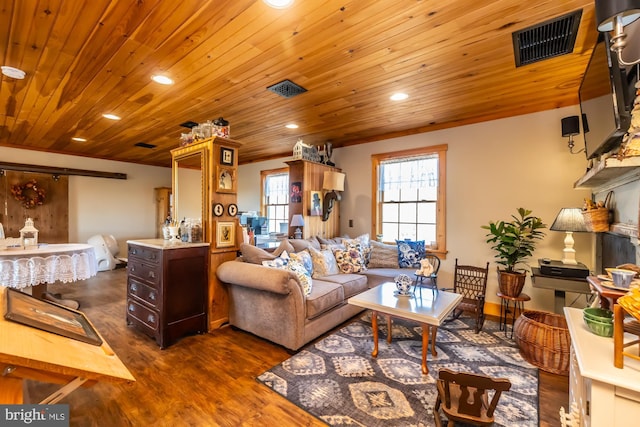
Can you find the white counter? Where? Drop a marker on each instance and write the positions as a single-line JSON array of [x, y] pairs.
[[605, 395], [165, 244]]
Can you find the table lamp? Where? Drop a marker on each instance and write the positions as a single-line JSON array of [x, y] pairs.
[[569, 220], [297, 221]]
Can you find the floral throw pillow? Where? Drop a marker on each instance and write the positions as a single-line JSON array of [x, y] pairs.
[[304, 258], [410, 253], [278, 262], [324, 263], [303, 276], [349, 260], [364, 247]]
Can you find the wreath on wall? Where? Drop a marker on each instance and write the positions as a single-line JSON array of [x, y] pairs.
[[29, 194]]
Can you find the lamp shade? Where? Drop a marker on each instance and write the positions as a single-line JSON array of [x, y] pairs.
[[569, 219], [570, 126], [607, 10], [333, 181], [297, 221]]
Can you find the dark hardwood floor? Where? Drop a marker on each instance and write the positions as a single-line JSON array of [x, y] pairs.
[[203, 380]]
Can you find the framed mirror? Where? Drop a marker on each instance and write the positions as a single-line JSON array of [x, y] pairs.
[[189, 185]]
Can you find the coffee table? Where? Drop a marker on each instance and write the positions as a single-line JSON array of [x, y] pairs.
[[429, 311]]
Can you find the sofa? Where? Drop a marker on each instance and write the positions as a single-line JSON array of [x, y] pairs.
[[275, 304]]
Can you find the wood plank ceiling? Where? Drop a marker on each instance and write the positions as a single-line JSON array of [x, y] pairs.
[[454, 58]]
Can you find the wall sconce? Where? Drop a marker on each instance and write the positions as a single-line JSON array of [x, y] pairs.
[[614, 15], [570, 128], [569, 220], [297, 221], [332, 182]]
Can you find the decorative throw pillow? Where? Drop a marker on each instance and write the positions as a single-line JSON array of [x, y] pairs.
[[365, 246], [349, 260], [303, 276], [324, 263], [410, 253], [278, 262], [383, 255], [304, 258]]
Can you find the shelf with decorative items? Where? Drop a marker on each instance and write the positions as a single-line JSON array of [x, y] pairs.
[[609, 173]]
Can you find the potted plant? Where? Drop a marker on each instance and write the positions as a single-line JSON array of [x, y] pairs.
[[514, 241]]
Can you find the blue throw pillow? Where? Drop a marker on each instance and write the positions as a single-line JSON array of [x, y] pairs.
[[410, 253]]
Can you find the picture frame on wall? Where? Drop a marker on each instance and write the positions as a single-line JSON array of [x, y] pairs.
[[225, 234], [315, 203], [295, 192], [226, 179], [227, 156]]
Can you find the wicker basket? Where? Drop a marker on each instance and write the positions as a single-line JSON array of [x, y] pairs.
[[543, 339], [597, 220]]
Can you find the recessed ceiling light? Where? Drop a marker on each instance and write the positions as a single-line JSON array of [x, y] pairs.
[[291, 126], [279, 4], [77, 138], [399, 96], [111, 116], [163, 80], [14, 73]]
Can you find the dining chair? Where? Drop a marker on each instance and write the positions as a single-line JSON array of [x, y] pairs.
[[464, 397], [470, 282]]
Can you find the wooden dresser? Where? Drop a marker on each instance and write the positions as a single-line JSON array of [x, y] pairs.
[[167, 288]]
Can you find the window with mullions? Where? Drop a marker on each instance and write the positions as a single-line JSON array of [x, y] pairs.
[[410, 195], [275, 200]]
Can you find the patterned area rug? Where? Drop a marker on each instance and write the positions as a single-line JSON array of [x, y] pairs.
[[338, 381]]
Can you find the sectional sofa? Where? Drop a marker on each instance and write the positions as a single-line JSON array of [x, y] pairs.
[[271, 302]]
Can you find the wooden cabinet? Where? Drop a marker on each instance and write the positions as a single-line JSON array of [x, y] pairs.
[[604, 394], [167, 287], [310, 175], [204, 174]]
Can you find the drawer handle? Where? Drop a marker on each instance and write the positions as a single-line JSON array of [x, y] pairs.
[[152, 275], [152, 256], [134, 251], [152, 296], [132, 308], [132, 268], [134, 287], [151, 318]]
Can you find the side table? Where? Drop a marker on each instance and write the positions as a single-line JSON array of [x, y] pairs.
[[515, 310]]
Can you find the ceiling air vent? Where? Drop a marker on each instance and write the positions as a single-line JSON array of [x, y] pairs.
[[287, 89], [144, 145], [543, 41]]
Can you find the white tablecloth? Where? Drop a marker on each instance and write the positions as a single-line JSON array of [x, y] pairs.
[[51, 263]]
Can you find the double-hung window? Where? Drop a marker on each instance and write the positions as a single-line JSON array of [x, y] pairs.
[[409, 196], [275, 198]]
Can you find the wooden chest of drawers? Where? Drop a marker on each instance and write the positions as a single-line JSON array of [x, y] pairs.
[[167, 288]]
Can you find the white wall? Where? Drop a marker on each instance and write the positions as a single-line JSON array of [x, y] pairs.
[[492, 169], [249, 182], [124, 208]]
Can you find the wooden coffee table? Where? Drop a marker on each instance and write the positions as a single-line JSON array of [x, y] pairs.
[[429, 310]]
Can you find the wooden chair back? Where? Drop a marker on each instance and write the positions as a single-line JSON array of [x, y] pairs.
[[464, 396], [470, 281]]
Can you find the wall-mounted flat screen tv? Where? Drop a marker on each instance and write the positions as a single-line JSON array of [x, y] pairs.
[[605, 101]]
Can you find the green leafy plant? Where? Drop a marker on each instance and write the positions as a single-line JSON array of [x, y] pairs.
[[514, 241]]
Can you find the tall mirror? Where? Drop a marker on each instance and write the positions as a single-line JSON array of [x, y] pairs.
[[189, 191]]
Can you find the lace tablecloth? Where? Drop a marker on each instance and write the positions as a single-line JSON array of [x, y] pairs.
[[66, 263]]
